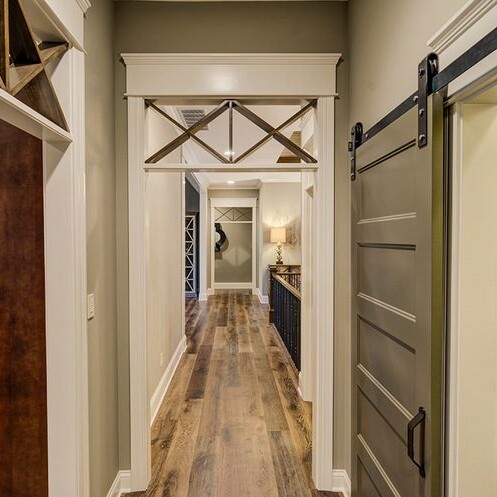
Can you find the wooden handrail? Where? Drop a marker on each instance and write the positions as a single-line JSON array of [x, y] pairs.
[[287, 285]]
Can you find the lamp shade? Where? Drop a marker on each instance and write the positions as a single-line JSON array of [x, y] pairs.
[[278, 235]]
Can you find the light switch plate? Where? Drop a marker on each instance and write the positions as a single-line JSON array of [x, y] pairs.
[[91, 306]]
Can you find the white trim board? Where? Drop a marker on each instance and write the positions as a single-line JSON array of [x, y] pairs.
[[473, 21], [271, 76], [236, 59], [461, 22], [161, 390], [469, 25], [121, 484], [341, 482], [222, 75]]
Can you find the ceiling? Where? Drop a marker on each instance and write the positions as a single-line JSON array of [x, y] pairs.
[[249, 180], [245, 133]]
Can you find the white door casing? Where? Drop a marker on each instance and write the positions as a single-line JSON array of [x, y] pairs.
[[473, 21], [271, 76]]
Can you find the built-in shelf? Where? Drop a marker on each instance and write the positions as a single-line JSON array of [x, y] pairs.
[[20, 115]]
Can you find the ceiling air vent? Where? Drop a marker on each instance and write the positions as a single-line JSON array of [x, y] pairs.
[[192, 116]]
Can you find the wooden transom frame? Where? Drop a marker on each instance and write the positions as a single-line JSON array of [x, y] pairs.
[[23, 63], [230, 106]]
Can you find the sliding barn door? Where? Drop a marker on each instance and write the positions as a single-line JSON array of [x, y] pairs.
[[23, 386], [398, 317]]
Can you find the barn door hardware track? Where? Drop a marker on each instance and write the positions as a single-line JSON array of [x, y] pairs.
[[230, 106], [431, 82]]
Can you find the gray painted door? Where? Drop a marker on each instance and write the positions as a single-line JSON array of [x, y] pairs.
[[398, 318]]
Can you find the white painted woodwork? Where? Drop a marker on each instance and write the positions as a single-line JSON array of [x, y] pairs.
[[323, 299], [274, 76], [222, 168], [65, 264], [67, 16], [223, 75], [65, 253], [139, 412], [476, 19]]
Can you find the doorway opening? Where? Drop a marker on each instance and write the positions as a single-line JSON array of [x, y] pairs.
[[196, 81], [471, 448], [235, 368]]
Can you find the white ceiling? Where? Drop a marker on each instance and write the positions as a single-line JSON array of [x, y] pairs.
[[245, 133], [249, 180]]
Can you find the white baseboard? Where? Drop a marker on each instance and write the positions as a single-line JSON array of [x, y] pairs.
[[341, 482], [210, 291], [161, 390], [121, 485], [202, 297], [263, 299]]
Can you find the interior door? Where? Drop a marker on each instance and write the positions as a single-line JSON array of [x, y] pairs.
[[23, 386], [398, 309]]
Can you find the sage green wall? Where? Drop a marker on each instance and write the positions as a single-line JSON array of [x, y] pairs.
[[164, 257], [242, 27], [388, 38], [101, 246]]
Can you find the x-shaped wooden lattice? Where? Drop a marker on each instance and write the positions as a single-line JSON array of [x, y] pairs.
[[23, 63], [230, 106]]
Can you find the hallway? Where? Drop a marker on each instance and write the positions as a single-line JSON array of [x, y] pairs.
[[232, 422]]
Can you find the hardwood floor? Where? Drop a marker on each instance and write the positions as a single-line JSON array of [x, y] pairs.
[[232, 423]]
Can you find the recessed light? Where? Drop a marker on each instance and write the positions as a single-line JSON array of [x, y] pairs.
[[229, 153], [231, 182]]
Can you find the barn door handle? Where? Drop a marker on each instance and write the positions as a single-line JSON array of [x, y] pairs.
[[418, 420]]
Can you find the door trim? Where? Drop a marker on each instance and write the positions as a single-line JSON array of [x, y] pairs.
[[286, 77], [64, 167], [467, 26]]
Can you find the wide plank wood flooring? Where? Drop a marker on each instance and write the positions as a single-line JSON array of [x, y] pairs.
[[232, 423]]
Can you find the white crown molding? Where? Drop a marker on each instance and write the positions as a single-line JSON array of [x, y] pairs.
[[84, 5], [136, 59], [460, 23], [219, 75]]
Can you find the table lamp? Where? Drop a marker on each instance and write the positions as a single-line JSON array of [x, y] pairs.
[[278, 236]]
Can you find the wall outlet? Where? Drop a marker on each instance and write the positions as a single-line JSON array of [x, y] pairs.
[[91, 306], [161, 359]]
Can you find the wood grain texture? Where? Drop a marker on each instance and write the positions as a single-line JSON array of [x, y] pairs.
[[232, 423], [23, 384], [23, 63]]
